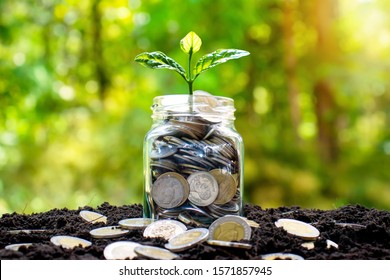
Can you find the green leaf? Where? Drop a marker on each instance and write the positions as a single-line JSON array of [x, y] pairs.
[[191, 43], [219, 56], [159, 60]]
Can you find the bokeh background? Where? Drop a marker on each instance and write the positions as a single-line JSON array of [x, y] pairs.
[[312, 99]]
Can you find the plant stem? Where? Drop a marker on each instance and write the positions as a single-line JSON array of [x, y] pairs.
[[190, 82]]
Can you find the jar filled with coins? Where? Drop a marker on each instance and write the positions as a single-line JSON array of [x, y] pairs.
[[193, 159]]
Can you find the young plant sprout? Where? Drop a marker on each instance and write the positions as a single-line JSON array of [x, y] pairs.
[[190, 44]]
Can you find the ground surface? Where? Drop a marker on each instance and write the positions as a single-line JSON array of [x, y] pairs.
[[369, 240]]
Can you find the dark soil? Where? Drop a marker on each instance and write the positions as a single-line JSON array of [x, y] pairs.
[[370, 240]]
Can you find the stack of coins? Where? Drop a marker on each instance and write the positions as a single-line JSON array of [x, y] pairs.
[[193, 165]]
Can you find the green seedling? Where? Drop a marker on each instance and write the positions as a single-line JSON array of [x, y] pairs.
[[190, 44]]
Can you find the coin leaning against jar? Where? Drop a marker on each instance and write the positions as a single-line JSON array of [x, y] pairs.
[[203, 188]]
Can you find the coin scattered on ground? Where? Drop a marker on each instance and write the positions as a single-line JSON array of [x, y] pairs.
[[230, 228], [165, 229], [69, 242], [108, 232], [120, 250], [187, 239], [308, 245], [170, 190], [27, 231], [15, 247], [298, 228], [230, 244], [203, 188], [330, 244], [154, 253], [135, 223], [93, 217], [251, 223], [227, 187], [350, 225], [281, 256]]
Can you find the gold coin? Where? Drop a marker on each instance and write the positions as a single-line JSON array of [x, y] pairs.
[[93, 217], [187, 239], [298, 228], [226, 186], [251, 223], [154, 253], [120, 250], [230, 244], [230, 228], [15, 247], [311, 245], [281, 256], [135, 223], [308, 245], [164, 228], [108, 232], [69, 242]]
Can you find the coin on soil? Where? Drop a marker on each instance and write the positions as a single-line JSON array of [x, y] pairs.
[[298, 228], [69, 242], [187, 239], [120, 250], [165, 229], [231, 244], [154, 253], [108, 232], [93, 217], [170, 190], [15, 247], [226, 186], [135, 223], [281, 256], [203, 188], [230, 228]]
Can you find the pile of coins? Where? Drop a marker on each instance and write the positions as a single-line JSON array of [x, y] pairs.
[[194, 167]]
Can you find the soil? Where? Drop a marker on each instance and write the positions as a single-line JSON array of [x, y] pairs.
[[367, 235]]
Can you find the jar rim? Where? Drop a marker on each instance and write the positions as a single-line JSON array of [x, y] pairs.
[[202, 104]]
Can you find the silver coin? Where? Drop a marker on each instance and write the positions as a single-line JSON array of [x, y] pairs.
[[230, 244], [69, 242], [164, 228], [27, 231], [350, 225], [298, 228], [230, 228], [187, 239], [155, 253], [203, 188], [281, 256], [93, 217], [16, 247], [135, 223], [108, 232], [120, 250], [170, 190], [163, 151]]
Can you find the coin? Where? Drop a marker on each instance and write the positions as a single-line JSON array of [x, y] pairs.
[[69, 242], [203, 188], [26, 231], [226, 186], [15, 247], [108, 232], [186, 218], [308, 245], [230, 228], [251, 223], [170, 190], [187, 239], [330, 244], [120, 250], [281, 256], [230, 244], [135, 223], [164, 228], [154, 253], [298, 228], [93, 217], [350, 225], [162, 150]]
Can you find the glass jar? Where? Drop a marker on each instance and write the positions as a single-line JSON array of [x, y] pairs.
[[193, 159]]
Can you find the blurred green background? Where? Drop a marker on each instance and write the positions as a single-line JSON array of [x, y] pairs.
[[312, 99]]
